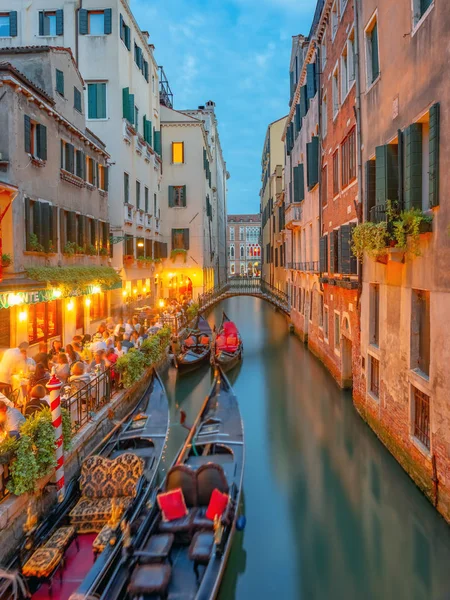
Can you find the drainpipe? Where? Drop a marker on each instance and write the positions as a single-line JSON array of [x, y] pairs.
[[360, 210], [77, 15]]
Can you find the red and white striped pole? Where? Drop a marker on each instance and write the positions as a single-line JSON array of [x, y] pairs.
[[54, 386]]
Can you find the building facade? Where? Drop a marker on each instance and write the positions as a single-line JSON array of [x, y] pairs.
[[402, 389], [190, 201], [334, 335], [121, 95], [244, 245], [302, 173], [59, 216], [272, 206]]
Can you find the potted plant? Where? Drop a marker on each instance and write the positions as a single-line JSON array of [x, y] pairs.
[[6, 260], [70, 248], [178, 252], [34, 244], [103, 252]]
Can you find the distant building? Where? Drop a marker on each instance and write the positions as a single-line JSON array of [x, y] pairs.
[[272, 206], [244, 245]]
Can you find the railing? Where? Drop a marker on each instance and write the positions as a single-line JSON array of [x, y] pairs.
[[83, 400], [245, 286], [309, 266], [292, 213], [378, 213], [139, 218]]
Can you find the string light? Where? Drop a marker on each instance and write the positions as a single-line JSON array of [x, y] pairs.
[[57, 293], [96, 289]]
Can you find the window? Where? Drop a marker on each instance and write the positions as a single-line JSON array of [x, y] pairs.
[[348, 155], [138, 194], [324, 116], [103, 178], [155, 205], [242, 269], [351, 76], [177, 196], [232, 251], [125, 35], [8, 24], [334, 20], [344, 74], [44, 321], [420, 331], [320, 310], [60, 82], [324, 186], [323, 50], [146, 200], [342, 5], [372, 54], [336, 173], [374, 386], [126, 188], [177, 153], [374, 310], [67, 157], [241, 234], [421, 416], [91, 170], [337, 331], [180, 239], [41, 221], [35, 138], [420, 8], [232, 234], [95, 22], [325, 322], [51, 22], [232, 269], [136, 118], [335, 91], [77, 100], [241, 251], [96, 100], [98, 307]]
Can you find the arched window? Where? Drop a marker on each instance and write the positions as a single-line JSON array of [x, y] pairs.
[[232, 251]]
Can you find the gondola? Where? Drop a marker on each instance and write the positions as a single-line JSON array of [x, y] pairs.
[[193, 550], [193, 357], [139, 439], [228, 356]]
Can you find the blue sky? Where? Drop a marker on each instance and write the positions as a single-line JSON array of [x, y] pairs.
[[237, 54]]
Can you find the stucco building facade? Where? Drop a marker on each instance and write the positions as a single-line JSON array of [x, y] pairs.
[[244, 245]]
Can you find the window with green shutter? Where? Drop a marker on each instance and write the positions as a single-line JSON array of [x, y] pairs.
[[131, 109], [323, 246], [434, 155], [60, 82], [177, 196], [77, 99], [138, 194], [334, 251], [298, 120], [41, 141], [386, 183], [126, 188], [347, 264], [311, 80], [8, 24], [27, 134], [79, 163], [372, 52], [299, 183], [303, 101], [97, 100], [312, 155], [157, 141], [146, 200], [370, 172], [413, 166], [180, 239]]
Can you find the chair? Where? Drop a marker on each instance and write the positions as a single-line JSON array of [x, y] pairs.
[[209, 477], [182, 477]]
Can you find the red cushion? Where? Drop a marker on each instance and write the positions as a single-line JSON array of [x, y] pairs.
[[217, 505], [172, 505]]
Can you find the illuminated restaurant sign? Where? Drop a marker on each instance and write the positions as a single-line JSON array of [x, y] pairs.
[[9, 299]]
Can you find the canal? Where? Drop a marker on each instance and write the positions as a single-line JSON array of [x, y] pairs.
[[330, 514]]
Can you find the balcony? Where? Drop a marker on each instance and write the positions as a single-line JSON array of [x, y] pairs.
[[128, 214], [307, 267], [139, 218], [293, 216], [157, 225], [148, 221]]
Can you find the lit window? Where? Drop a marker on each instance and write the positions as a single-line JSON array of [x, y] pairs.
[[177, 153]]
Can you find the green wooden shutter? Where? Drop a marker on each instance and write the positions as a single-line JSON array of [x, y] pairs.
[[312, 153], [41, 135], [298, 120], [127, 37], [92, 101], [27, 134], [386, 183], [353, 259], [41, 23], [78, 165], [71, 158], [13, 23], [59, 22], [374, 52], [171, 196], [37, 221], [27, 208], [83, 21], [60, 82], [71, 227], [108, 21], [144, 127], [334, 252], [45, 225], [303, 101], [106, 178], [299, 183], [54, 228], [125, 102], [149, 133], [434, 155], [131, 109], [186, 239], [157, 141], [370, 172], [183, 203], [323, 246], [413, 166], [311, 80], [62, 229], [344, 250]]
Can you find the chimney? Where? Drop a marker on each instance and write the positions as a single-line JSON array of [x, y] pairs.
[[210, 105]]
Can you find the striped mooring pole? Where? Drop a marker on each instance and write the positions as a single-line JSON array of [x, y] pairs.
[[54, 386]]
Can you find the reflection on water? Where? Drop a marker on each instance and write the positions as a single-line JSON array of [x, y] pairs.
[[330, 514]]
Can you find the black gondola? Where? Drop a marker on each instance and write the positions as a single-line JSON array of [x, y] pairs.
[[194, 356], [196, 549], [228, 358], [143, 433]]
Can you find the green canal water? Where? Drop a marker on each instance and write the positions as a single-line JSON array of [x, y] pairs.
[[330, 514]]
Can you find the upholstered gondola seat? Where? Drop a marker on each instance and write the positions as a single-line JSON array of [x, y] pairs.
[[105, 484], [45, 560], [182, 477], [209, 477], [150, 579]]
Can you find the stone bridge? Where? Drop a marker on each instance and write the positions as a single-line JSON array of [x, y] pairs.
[[244, 286]]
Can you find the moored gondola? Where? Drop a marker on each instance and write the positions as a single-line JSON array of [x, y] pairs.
[[115, 483], [229, 347], [196, 348], [184, 556]]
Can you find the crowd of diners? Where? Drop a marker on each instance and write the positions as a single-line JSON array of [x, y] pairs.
[[23, 378]]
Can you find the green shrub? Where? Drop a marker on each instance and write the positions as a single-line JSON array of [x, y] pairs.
[[370, 238], [24, 469], [131, 366]]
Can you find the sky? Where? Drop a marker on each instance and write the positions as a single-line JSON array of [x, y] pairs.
[[236, 53]]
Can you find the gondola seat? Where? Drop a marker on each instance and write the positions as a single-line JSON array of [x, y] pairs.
[[156, 550], [46, 559], [104, 484], [210, 476], [184, 478], [201, 548], [150, 579]]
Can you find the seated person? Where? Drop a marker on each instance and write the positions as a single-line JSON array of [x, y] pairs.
[[40, 376], [11, 420], [79, 377], [38, 400], [42, 356], [62, 368]]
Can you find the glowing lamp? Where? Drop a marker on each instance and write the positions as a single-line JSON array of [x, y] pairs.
[[144, 290], [70, 305], [124, 293], [88, 301], [23, 316], [57, 293], [161, 303], [140, 244], [96, 289], [135, 291]]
